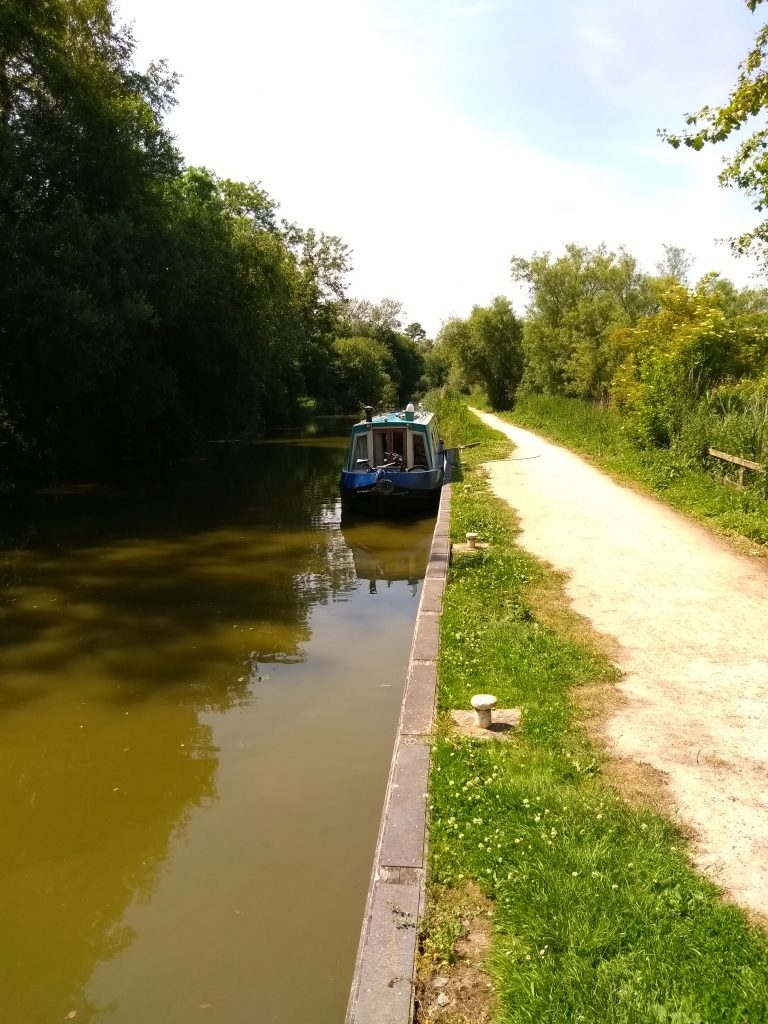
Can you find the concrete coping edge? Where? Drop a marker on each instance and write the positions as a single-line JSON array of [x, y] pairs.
[[383, 984]]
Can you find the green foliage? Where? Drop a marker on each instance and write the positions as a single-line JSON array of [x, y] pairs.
[[403, 356], [360, 373], [485, 349], [459, 426], [671, 359], [228, 268], [496, 346], [676, 264], [450, 354], [675, 474], [142, 306], [361, 318], [748, 168], [598, 916], [437, 365], [408, 366], [415, 332], [83, 159], [732, 418], [576, 302]]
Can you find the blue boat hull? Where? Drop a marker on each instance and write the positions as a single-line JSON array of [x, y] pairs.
[[389, 492]]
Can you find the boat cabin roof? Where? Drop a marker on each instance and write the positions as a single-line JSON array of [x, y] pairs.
[[421, 418]]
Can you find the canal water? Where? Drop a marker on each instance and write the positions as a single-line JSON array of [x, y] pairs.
[[200, 678]]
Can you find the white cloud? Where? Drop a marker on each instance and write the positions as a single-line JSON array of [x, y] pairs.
[[338, 116]]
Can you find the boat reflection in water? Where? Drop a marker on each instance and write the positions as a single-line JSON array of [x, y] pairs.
[[387, 553]]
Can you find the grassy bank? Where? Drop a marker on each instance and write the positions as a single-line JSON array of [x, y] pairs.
[[591, 909], [671, 475]]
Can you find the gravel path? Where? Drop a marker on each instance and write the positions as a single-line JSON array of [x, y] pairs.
[[690, 617]]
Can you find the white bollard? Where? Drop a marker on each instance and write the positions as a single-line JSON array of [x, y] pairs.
[[483, 703], [471, 539]]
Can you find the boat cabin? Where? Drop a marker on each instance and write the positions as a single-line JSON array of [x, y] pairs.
[[409, 439]]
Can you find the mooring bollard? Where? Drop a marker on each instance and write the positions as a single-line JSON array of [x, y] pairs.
[[472, 540], [483, 703]]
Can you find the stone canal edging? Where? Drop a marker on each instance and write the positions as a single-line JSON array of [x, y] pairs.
[[383, 986]]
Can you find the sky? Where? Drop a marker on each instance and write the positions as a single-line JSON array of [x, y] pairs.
[[438, 138]]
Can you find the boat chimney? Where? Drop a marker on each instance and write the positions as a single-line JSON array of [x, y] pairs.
[[368, 410], [409, 412]]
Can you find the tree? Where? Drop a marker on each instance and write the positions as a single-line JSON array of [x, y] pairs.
[[437, 366], [748, 169], [496, 335], [380, 321], [370, 319], [676, 263], [84, 161], [576, 301], [143, 306], [415, 332], [359, 368], [323, 262], [485, 349], [451, 356], [673, 358]]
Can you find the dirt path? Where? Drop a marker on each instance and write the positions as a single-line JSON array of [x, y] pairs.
[[691, 620]]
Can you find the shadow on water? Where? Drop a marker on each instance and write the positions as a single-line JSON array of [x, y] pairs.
[[167, 566], [133, 615]]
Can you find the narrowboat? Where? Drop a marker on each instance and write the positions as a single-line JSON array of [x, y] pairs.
[[395, 463]]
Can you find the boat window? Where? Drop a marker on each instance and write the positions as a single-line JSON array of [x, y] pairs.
[[419, 450], [388, 441], [379, 446], [361, 449], [398, 442]]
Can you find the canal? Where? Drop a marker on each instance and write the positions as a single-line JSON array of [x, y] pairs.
[[200, 678]]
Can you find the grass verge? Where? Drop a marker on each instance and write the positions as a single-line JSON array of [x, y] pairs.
[[596, 915], [599, 434]]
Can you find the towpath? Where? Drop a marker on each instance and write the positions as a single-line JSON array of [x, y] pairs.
[[690, 617]]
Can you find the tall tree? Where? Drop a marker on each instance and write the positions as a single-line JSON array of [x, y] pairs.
[[676, 263], [360, 367], [415, 332], [84, 160], [323, 262], [576, 301], [497, 351], [142, 305], [485, 349], [381, 322], [371, 319]]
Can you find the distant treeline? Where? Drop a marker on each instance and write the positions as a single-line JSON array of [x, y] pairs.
[[687, 365], [145, 305]]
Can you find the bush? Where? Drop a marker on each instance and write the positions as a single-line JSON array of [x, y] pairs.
[[672, 359]]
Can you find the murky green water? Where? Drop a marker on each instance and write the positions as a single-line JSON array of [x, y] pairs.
[[200, 678]]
